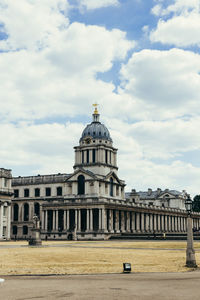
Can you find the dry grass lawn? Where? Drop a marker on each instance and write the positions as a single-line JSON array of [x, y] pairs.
[[93, 257]]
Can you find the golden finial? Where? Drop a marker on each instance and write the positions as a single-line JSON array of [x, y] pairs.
[[95, 110]]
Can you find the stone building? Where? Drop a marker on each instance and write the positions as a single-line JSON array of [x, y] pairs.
[[90, 203], [165, 198], [5, 203]]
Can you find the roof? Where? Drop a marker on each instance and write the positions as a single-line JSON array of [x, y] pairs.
[[96, 130]]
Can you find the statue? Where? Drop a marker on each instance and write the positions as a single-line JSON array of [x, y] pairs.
[[35, 239]]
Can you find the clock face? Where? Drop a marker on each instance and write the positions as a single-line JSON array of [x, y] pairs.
[[88, 140]]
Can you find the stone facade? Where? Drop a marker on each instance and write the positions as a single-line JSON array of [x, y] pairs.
[[5, 203], [90, 203], [165, 198]]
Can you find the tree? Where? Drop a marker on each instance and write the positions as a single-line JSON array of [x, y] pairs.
[[196, 203]]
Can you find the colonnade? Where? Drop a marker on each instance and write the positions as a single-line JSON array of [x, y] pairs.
[[113, 221]]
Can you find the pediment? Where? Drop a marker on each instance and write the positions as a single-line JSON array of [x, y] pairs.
[[81, 171]]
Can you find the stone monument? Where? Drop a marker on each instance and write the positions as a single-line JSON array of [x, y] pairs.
[[35, 239]]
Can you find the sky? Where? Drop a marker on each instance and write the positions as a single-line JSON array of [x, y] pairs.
[[138, 59]]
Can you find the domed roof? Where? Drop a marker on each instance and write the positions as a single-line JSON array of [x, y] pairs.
[[96, 130]]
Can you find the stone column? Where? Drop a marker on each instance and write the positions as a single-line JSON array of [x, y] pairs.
[[76, 219], [54, 220], [100, 219], [150, 222], [8, 221], [111, 220], [159, 223], [65, 217], [190, 253], [46, 219], [104, 221], [138, 222], [122, 221], [142, 222], [88, 220], [133, 222], [117, 221], [166, 223], [91, 220], [128, 222], [78, 224], [43, 220], [147, 227]]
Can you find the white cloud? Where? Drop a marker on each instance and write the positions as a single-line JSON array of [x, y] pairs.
[[94, 4], [61, 77], [182, 26], [30, 24], [166, 82]]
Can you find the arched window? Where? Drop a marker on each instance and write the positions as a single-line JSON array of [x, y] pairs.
[[14, 230], [25, 229], [26, 212], [37, 209], [111, 187], [16, 212], [81, 185]]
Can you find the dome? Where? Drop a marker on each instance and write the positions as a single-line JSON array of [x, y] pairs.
[[96, 130]]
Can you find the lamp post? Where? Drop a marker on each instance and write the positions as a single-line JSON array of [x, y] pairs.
[[190, 253]]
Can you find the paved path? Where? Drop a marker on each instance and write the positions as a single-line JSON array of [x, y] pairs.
[[143, 286]]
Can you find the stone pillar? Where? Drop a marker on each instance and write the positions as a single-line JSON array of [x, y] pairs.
[[111, 220], [142, 222], [133, 222], [43, 220], [8, 221], [88, 220], [147, 227], [100, 219], [117, 221], [46, 219], [54, 220], [91, 220], [122, 221], [65, 217], [128, 229], [158, 222], [138, 222], [78, 220], [104, 221], [150, 222], [190, 253]]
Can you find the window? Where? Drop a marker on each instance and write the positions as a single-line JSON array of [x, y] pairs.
[[25, 229], [37, 192], [106, 156], [14, 230], [48, 191], [26, 193], [111, 187], [37, 209], [81, 185], [16, 193], [16, 211], [93, 155], [59, 191], [88, 157], [26, 212]]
